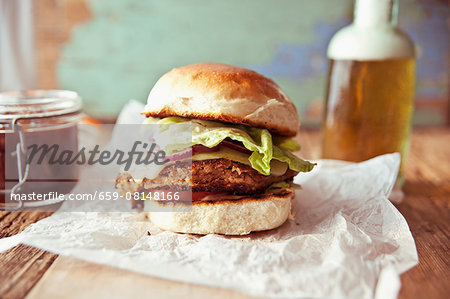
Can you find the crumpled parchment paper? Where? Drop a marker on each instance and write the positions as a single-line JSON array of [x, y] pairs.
[[347, 240]]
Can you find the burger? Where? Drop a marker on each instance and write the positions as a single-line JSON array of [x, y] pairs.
[[242, 166]]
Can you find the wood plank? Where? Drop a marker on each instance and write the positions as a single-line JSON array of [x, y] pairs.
[[12, 223], [429, 157], [22, 267], [309, 141], [429, 225], [73, 278], [426, 209]]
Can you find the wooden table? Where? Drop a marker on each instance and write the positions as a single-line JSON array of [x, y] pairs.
[[30, 272]]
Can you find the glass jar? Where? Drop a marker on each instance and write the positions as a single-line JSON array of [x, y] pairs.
[[39, 120]]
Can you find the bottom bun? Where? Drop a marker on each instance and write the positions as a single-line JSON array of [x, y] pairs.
[[228, 217]]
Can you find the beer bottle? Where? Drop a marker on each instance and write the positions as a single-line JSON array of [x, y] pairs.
[[370, 89]]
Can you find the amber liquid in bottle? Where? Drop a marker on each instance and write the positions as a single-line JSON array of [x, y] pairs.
[[368, 108]]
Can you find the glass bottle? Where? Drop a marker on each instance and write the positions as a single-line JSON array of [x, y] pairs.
[[370, 90]]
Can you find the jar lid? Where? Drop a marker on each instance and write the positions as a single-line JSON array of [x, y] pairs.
[[37, 103]]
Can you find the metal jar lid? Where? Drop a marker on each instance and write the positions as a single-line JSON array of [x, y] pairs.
[[34, 105], [37, 103]]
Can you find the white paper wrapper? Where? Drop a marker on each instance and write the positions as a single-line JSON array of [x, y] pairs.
[[347, 240]]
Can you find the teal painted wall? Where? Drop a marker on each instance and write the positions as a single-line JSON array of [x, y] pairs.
[[128, 44]]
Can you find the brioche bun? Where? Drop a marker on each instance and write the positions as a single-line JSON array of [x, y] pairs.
[[226, 93], [234, 217]]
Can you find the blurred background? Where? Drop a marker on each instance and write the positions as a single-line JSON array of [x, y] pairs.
[[114, 51]]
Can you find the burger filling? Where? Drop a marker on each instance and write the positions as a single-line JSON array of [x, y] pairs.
[[261, 147], [233, 159]]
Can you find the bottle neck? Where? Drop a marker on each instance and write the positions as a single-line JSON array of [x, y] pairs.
[[372, 13]]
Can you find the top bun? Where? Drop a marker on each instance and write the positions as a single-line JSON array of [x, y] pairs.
[[222, 92]]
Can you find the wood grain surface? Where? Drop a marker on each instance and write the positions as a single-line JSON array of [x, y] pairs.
[[111, 282], [34, 273]]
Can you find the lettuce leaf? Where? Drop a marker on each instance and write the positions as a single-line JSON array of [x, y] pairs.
[[293, 161], [259, 141], [286, 143]]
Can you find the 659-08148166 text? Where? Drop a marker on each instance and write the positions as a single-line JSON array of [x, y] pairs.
[[100, 195]]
